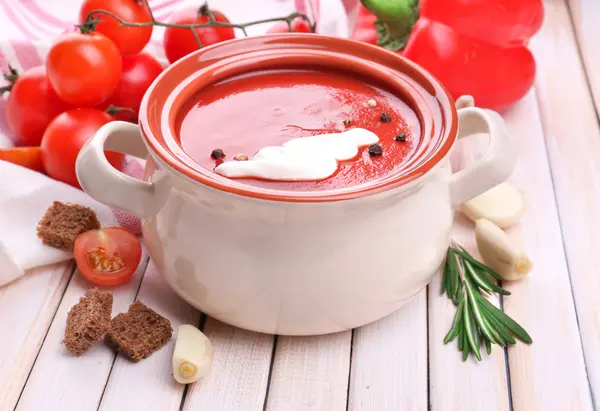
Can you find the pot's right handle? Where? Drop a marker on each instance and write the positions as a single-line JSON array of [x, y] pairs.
[[106, 184], [499, 160]]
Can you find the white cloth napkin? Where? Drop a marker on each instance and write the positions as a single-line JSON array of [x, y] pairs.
[[25, 196]]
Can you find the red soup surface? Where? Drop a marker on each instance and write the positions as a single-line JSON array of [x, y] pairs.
[[246, 113]]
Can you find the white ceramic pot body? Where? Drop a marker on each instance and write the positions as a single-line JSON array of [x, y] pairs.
[[294, 267]]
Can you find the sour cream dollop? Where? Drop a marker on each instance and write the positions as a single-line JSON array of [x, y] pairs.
[[301, 159]]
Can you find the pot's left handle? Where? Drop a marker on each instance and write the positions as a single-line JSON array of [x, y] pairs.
[[499, 160], [106, 184]]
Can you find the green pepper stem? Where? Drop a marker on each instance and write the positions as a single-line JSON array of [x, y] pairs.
[[398, 16]]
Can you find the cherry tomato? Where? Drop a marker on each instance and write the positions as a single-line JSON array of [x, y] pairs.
[[365, 26], [180, 42], [299, 25], [65, 136], [108, 256], [31, 106], [129, 40], [139, 71], [29, 157], [84, 69]]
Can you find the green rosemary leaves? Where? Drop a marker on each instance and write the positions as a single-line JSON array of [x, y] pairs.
[[477, 322]]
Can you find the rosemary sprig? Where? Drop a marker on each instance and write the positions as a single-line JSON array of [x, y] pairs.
[[477, 322]]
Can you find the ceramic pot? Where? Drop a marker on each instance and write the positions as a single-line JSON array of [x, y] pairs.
[[295, 263]]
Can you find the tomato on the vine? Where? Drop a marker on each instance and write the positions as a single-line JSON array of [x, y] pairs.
[[299, 25], [179, 42], [84, 69], [139, 71], [31, 105], [129, 40], [65, 136], [109, 256]]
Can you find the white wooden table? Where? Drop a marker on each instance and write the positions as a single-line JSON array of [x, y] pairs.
[[399, 362]]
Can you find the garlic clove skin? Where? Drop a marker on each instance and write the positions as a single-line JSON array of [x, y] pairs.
[[500, 253], [193, 355], [503, 205]]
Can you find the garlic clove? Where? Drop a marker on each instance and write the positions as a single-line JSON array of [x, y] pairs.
[[193, 355], [503, 205], [499, 252]]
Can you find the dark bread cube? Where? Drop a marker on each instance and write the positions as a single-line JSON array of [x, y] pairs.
[[138, 332], [88, 321], [62, 223]]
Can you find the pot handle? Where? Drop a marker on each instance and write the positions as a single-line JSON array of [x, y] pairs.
[[106, 184], [499, 160]]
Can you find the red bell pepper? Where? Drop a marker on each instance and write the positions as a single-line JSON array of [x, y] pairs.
[[476, 47]]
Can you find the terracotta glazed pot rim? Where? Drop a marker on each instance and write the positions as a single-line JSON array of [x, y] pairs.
[[430, 101]]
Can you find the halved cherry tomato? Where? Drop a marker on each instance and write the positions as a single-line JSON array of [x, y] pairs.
[[139, 71], [65, 136], [29, 157], [129, 40], [84, 69], [179, 42], [31, 106], [108, 256], [299, 25]]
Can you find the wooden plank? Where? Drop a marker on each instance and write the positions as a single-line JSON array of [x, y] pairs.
[[310, 373], [60, 381], [585, 15], [454, 384], [26, 310], [389, 361], [572, 138], [240, 371], [149, 385], [549, 374]]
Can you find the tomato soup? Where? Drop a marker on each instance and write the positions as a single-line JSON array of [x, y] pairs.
[[244, 114]]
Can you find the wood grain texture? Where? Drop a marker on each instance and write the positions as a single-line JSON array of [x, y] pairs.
[[239, 374], [153, 386], [585, 15], [389, 361], [26, 310], [572, 137], [550, 373], [310, 373], [454, 384], [60, 381]]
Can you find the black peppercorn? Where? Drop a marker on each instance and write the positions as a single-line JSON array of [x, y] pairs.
[[347, 122], [375, 150], [217, 153], [400, 137], [385, 118]]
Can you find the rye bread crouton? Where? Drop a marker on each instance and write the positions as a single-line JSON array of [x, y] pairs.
[[88, 321], [138, 332], [62, 223]]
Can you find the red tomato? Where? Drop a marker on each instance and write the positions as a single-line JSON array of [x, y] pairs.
[[139, 71], [65, 136], [365, 26], [299, 25], [129, 40], [108, 256], [179, 42], [31, 106], [84, 69], [29, 157]]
